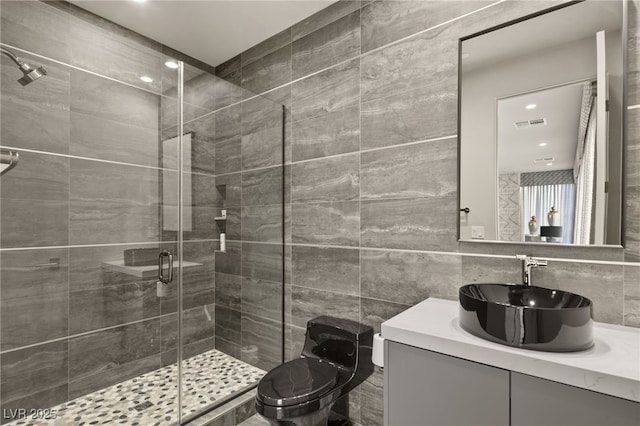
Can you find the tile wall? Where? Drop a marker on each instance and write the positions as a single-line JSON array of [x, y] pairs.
[[89, 185], [371, 88]]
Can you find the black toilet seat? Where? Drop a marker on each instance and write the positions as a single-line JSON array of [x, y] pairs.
[[297, 381]]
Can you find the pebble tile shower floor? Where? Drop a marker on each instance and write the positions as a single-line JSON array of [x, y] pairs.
[[208, 377]]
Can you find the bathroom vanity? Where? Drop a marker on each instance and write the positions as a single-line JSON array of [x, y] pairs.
[[438, 374]]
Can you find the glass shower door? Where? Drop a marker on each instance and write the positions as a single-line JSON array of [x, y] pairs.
[[232, 240], [85, 333]]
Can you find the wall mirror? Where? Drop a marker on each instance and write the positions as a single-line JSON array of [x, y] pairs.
[[540, 128]]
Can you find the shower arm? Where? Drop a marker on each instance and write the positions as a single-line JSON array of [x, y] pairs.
[[19, 62]]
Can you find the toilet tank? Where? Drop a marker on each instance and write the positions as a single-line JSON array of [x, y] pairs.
[[344, 342]]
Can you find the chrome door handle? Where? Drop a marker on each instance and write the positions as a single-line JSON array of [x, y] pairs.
[[169, 277]]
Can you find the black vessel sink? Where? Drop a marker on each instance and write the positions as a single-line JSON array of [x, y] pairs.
[[527, 317]]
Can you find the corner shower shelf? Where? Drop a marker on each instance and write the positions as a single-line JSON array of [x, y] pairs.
[[220, 251], [144, 272], [220, 218]]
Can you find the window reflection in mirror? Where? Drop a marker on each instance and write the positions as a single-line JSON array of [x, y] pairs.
[[540, 128]]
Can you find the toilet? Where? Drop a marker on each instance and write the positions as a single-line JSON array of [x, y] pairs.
[[336, 358]]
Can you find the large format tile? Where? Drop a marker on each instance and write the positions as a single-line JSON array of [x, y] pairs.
[[199, 88], [409, 278], [412, 223], [89, 266], [35, 116], [262, 133], [228, 326], [334, 133], [329, 179], [35, 305], [108, 49], [197, 326], [631, 291], [262, 298], [35, 202], [262, 187], [112, 305], [104, 98], [261, 346], [324, 17], [387, 20], [110, 356], [409, 65], [228, 154], [35, 377], [330, 90], [603, 284], [334, 43], [262, 261], [111, 203], [230, 262], [326, 268], [228, 290], [202, 154], [260, 50], [424, 113], [202, 204], [268, 72], [228, 91], [93, 136], [309, 303], [374, 312], [423, 170], [334, 223], [37, 27], [490, 270], [262, 223], [229, 190]]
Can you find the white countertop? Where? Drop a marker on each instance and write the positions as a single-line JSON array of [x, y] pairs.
[[611, 367]]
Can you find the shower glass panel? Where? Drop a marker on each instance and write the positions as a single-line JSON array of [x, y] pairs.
[[232, 240], [122, 156], [84, 331]]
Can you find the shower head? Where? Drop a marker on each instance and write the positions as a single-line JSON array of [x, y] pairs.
[[30, 74]]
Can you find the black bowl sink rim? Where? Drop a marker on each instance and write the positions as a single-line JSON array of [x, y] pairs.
[[585, 302], [551, 329]]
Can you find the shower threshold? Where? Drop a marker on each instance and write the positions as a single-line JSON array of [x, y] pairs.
[[151, 399]]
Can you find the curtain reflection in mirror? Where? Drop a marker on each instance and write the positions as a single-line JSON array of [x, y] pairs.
[[584, 167]]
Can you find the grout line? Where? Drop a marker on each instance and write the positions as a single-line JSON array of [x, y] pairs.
[[99, 160], [72, 246], [382, 148], [87, 333], [463, 254], [46, 58]]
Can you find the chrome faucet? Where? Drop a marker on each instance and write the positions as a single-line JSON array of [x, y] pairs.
[[527, 264]]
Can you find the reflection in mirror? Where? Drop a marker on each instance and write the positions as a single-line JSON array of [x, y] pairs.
[[541, 128]]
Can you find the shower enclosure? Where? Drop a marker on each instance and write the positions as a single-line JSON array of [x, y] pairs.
[[118, 298]]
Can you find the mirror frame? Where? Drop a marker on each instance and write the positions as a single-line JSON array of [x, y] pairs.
[[623, 132]]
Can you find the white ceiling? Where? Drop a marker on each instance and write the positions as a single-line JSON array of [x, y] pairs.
[[519, 148], [209, 30]]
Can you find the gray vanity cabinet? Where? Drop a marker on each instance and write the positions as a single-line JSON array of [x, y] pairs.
[[424, 388], [540, 402]]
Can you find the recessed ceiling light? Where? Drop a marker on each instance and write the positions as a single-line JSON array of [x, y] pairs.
[[549, 164], [140, 1], [542, 144], [531, 106], [146, 79], [171, 64]]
